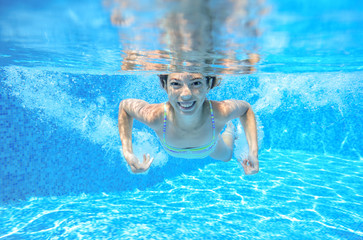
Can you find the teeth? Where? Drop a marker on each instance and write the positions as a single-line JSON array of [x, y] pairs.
[[186, 105]]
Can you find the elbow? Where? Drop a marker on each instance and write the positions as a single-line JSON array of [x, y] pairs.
[[122, 109], [249, 110], [124, 103], [245, 109], [248, 116], [121, 105]]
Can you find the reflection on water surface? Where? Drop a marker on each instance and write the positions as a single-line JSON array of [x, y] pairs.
[[189, 35]]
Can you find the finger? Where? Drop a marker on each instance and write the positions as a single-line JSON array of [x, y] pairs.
[[245, 169], [146, 158], [245, 166]]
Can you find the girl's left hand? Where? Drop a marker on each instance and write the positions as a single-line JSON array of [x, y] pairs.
[[250, 164]]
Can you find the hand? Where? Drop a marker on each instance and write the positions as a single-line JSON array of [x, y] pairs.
[[136, 165], [250, 164]]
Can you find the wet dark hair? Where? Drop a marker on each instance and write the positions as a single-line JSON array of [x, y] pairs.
[[214, 79]]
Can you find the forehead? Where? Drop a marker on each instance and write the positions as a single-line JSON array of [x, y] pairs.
[[185, 76]]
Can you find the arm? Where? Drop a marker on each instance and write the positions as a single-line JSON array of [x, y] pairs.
[[232, 109], [248, 120], [128, 110]]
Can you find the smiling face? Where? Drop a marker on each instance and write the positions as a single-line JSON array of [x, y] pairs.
[[187, 92]]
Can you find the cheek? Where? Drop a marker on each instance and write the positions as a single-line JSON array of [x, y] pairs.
[[171, 92], [200, 92], [172, 95]]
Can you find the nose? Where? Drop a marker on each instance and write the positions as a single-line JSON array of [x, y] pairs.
[[186, 94]]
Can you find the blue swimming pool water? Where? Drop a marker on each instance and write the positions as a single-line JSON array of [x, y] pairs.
[[288, 200], [62, 175]]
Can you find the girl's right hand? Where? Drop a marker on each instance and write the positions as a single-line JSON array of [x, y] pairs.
[[136, 165]]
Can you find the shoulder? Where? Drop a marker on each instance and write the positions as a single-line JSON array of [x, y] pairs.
[[149, 114], [230, 109], [154, 114]]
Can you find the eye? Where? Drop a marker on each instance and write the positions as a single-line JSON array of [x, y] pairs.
[[196, 83], [174, 84]]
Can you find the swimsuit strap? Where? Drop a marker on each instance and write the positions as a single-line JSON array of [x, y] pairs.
[[211, 114], [164, 127]]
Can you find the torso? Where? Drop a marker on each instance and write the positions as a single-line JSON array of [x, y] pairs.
[[197, 136], [201, 135]]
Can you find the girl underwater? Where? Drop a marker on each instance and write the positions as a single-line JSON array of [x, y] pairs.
[[189, 125]]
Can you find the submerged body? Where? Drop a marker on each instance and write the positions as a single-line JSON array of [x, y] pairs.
[[191, 152], [189, 125]]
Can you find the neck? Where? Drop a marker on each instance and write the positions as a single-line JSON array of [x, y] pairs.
[[188, 122]]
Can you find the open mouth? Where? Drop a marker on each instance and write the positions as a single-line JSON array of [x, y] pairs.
[[186, 106]]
